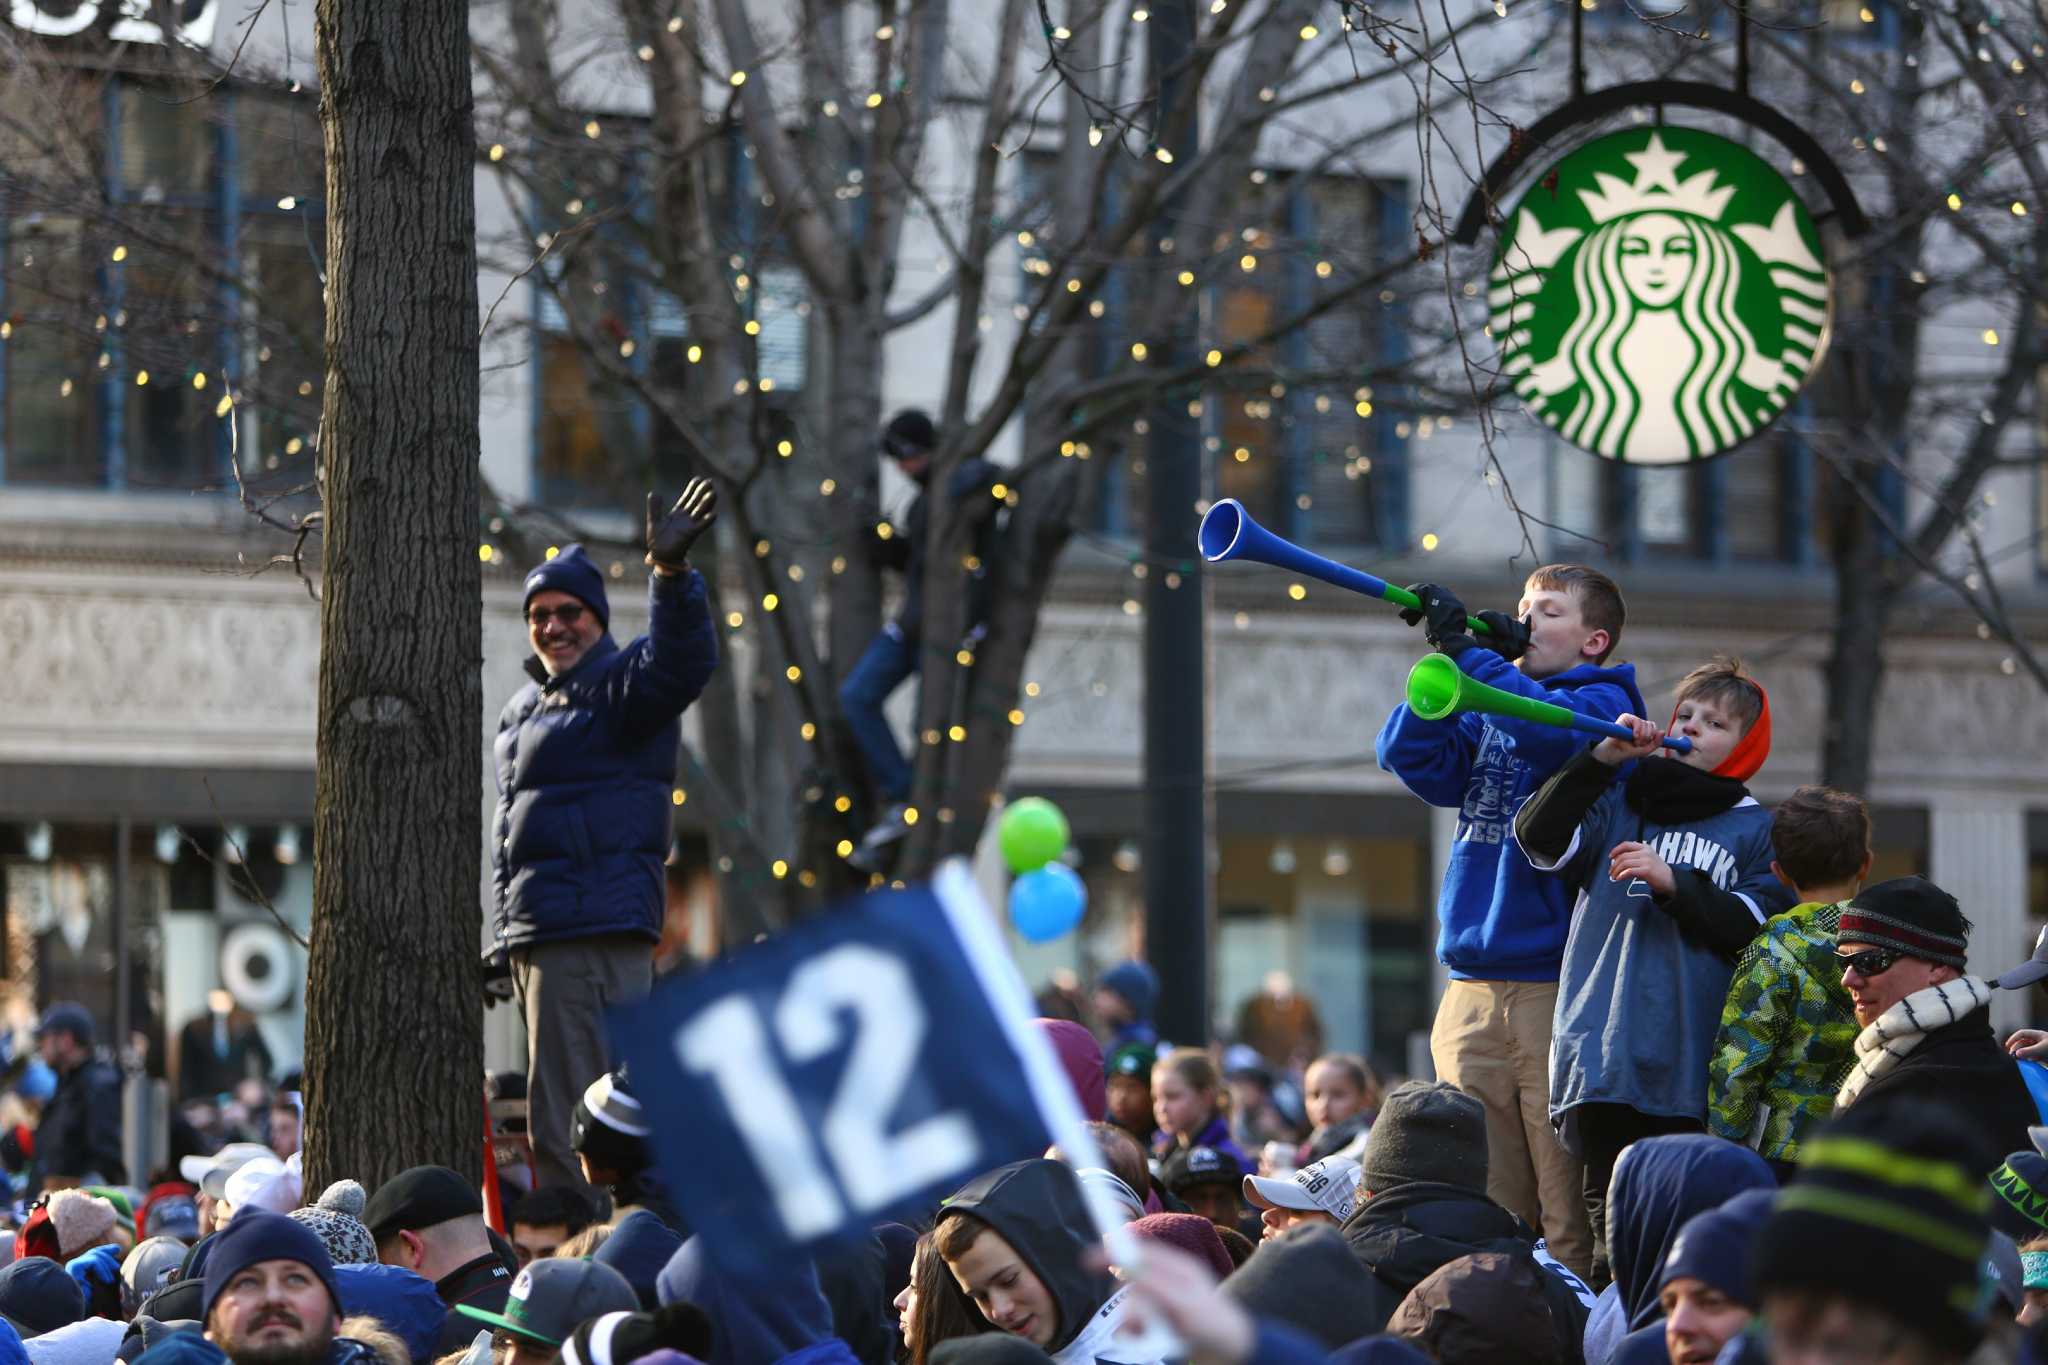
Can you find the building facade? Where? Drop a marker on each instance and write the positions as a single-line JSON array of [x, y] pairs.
[[157, 722]]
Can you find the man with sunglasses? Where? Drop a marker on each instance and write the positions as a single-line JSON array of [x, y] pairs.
[[1926, 1033], [586, 760]]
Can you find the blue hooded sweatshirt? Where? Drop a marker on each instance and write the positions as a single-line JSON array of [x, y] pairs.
[[755, 1322], [1660, 1184], [639, 1247], [12, 1352], [404, 1302], [1500, 919]]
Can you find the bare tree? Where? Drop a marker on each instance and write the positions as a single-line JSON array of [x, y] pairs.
[[394, 980]]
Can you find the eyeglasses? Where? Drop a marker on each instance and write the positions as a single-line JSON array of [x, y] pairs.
[[1871, 961], [569, 613]]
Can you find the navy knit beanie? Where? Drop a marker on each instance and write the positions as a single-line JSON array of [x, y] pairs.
[[260, 1235], [571, 572], [1713, 1247], [1137, 983]]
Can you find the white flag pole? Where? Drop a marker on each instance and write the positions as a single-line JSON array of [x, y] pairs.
[[1010, 1001]]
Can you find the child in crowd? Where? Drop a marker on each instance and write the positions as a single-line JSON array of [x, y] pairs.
[[1127, 1077], [1673, 872], [1341, 1094], [1208, 1181], [1788, 1029], [1502, 927], [1192, 1106]]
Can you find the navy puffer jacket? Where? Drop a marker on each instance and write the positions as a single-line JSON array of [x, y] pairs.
[[586, 762]]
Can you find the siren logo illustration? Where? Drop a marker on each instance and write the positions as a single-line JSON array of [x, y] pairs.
[[1660, 296]]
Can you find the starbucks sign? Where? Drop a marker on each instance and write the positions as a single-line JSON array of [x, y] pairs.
[[1659, 296]]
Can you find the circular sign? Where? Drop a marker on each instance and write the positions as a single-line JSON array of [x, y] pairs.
[[256, 967], [1659, 296]]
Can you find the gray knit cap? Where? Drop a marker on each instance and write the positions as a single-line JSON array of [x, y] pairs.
[[337, 1220], [1427, 1131]]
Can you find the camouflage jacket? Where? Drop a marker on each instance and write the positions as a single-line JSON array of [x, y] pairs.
[[1788, 1036]]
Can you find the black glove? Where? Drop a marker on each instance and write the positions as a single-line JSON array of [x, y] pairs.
[[1505, 635], [670, 537], [497, 978], [1442, 617]]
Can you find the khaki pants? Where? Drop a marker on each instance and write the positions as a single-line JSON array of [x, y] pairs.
[[1492, 1041], [563, 991]]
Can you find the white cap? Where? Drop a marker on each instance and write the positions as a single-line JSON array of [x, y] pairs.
[[210, 1173], [265, 1183], [1327, 1186]]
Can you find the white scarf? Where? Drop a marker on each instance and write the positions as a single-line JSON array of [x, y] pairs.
[[1884, 1044]]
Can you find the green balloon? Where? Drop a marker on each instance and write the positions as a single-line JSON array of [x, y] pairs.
[[1032, 833]]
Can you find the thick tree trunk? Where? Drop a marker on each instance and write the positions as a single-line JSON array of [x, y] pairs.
[[394, 1044]]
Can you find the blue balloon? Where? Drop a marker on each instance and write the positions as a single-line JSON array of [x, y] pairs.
[[1048, 902]]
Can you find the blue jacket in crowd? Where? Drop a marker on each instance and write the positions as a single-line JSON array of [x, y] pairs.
[[586, 763], [1500, 919]]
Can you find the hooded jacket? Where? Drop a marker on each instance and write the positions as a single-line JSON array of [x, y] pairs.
[[1659, 1184], [403, 1301], [1036, 1206], [1501, 920], [755, 1322], [1405, 1234], [1787, 1039], [586, 765], [1485, 1307]]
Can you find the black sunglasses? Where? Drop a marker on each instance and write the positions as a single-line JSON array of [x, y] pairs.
[[569, 613], [1871, 961]]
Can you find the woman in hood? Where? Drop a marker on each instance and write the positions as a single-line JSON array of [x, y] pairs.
[[1017, 1242]]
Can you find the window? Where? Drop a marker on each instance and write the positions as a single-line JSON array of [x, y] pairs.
[[1752, 506], [1308, 447], [597, 443], [131, 322]]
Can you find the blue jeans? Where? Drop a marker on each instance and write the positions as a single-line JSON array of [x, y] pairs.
[[887, 663]]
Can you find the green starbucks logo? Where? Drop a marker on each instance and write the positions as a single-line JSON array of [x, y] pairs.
[[1659, 296]]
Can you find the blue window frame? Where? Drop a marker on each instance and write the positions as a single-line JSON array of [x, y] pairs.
[[136, 305]]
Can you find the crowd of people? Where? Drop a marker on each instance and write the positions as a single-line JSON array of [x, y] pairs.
[[1702, 1091]]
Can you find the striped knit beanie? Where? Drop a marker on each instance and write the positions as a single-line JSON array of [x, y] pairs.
[[609, 1124], [1883, 1214], [1910, 915]]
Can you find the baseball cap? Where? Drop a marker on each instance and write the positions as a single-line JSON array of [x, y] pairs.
[[1131, 1059], [148, 1268], [1327, 1186], [553, 1296], [1199, 1166], [210, 1173], [2030, 971], [71, 1017], [419, 1198]]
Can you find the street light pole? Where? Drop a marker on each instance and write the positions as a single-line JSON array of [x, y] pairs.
[[1179, 907]]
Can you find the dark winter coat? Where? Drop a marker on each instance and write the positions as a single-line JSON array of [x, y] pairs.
[[1405, 1234], [1961, 1066], [586, 766], [1483, 1308], [80, 1133], [905, 549], [404, 1302]]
